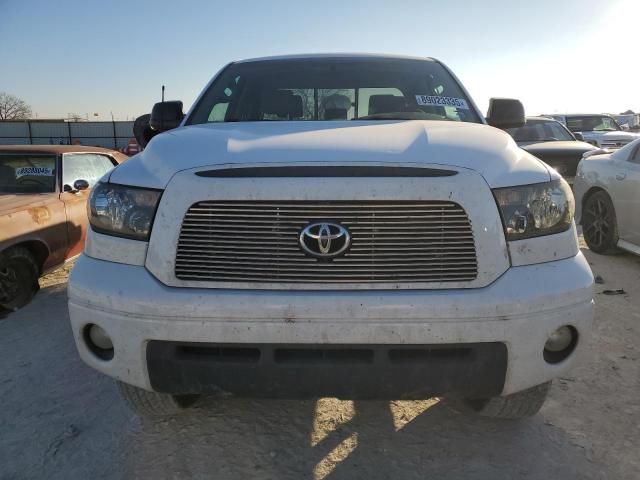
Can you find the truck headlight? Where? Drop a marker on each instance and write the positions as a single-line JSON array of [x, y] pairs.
[[123, 211], [534, 210]]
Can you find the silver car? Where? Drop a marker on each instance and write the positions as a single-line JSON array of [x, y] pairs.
[[607, 192]]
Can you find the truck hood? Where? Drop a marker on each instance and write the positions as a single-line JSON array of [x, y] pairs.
[[484, 149]]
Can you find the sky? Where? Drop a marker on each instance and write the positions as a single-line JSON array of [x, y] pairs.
[[97, 56]]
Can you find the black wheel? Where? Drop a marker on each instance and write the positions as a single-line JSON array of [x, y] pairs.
[[19, 273], [517, 405], [153, 404], [599, 225]]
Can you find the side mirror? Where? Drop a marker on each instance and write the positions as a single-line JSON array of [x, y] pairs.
[[578, 136], [78, 186], [142, 131], [505, 113], [166, 116]]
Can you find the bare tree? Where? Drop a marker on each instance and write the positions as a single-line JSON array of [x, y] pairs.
[[75, 117], [13, 108]]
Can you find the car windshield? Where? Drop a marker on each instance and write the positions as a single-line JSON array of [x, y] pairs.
[[592, 123], [540, 131], [334, 89], [27, 173]]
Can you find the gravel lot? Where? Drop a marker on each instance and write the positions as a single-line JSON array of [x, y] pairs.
[[60, 419]]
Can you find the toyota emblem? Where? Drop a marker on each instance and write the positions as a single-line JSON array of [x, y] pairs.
[[325, 239]]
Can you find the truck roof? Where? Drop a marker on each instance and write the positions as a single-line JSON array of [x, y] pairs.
[[308, 56]]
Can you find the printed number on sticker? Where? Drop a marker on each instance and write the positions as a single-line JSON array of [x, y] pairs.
[[435, 101], [34, 172]]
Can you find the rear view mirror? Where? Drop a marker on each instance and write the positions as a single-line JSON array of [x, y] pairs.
[[166, 116], [578, 136], [505, 113]]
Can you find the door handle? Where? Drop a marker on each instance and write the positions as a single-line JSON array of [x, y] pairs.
[[621, 176]]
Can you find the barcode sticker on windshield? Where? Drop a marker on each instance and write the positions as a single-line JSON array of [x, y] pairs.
[[435, 101], [34, 172]]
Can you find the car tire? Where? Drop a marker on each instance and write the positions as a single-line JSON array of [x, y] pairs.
[[19, 274], [153, 404], [599, 223], [517, 405]]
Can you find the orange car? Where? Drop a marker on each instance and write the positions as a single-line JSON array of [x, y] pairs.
[[43, 218]]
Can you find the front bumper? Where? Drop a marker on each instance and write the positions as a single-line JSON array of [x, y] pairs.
[[519, 310]]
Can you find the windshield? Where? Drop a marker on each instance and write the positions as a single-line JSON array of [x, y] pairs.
[[592, 123], [334, 89], [27, 173], [540, 131]]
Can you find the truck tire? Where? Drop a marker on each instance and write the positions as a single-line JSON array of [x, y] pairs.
[[517, 405], [19, 274], [153, 404], [599, 223]]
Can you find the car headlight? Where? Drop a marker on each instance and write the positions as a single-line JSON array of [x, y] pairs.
[[534, 210], [123, 211]]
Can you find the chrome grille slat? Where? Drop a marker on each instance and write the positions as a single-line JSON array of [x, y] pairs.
[[343, 216], [252, 277], [278, 238], [330, 275], [304, 220], [285, 255], [227, 241], [261, 229], [361, 242], [381, 233], [326, 266], [318, 205], [351, 252]]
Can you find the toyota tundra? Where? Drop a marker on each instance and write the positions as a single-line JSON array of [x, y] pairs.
[[333, 225]]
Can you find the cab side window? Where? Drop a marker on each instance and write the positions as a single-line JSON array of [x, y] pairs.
[[84, 166], [635, 155]]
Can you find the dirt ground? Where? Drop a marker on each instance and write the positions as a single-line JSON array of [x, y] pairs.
[[61, 420]]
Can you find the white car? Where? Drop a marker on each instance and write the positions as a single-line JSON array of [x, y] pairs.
[[600, 130], [333, 225], [607, 190]]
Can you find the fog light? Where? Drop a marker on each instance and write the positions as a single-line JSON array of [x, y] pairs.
[[98, 341], [558, 340], [560, 344]]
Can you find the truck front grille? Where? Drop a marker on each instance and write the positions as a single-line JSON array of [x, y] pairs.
[[392, 241], [613, 144]]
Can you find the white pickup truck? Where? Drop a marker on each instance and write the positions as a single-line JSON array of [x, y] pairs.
[[333, 225]]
